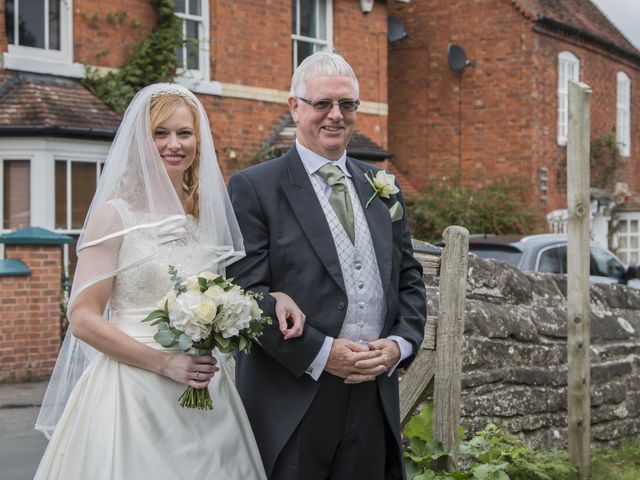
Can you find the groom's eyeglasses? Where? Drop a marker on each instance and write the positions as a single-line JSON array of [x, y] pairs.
[[346, 106]]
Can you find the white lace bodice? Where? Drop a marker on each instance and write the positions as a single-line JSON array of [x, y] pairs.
[[145, 284]]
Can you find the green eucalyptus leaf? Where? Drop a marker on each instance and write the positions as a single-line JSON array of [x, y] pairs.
[[154, 315], [242, 343], [166, 338], [185, 342]]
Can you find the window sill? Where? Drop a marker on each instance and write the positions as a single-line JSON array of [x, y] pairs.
[[206, 87], [12, 61]]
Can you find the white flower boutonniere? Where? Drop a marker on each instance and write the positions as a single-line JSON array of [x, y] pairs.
[[384, 184]]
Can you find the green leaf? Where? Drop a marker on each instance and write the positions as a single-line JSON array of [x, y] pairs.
[[185, 342], [155, 314], [166, 338], [490, 472], [243, 343], [420, 425], [202, 283]]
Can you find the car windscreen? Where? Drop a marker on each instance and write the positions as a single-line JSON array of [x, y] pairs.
[[505, 254]]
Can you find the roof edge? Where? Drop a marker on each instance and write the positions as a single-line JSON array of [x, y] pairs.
[[587, 36], [57, 131]]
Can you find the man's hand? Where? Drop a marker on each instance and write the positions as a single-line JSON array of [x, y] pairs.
[[345, 354], [389, 356]]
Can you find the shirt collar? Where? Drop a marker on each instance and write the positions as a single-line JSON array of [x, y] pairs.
[[313, 162]]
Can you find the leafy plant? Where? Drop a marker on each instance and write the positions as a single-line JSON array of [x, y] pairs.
[[65, 289], [499, 208], [153, 60], [605, 161], [492, 454]]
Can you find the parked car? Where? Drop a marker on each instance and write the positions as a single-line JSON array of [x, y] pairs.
[[548, 254]]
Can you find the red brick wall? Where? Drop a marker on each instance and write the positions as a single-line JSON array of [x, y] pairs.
[[100, 37], [30, 314], [499, 118], [598, 70], [473, 125]]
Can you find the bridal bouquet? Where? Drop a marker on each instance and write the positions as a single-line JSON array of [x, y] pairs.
[[202, 312]]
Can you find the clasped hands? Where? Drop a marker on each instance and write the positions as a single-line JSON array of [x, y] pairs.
[[358, 363]]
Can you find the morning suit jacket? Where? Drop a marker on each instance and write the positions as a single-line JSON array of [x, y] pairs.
[[290, 249]]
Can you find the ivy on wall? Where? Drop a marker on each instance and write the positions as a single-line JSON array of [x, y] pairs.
[[152, 60], [606, 161]]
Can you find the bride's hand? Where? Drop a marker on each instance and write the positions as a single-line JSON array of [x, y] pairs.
[[286, 309], [193, 370]]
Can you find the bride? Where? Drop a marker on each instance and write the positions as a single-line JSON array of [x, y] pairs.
[[111, 408]]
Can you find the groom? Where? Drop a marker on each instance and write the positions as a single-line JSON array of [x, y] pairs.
[[325, 405]]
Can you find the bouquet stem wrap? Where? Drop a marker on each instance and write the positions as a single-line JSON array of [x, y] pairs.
[[199, 398]]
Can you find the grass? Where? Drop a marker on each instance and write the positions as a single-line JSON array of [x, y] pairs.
[[622, 463]]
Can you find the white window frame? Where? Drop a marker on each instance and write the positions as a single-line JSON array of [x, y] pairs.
[[202, 20], [68, 230], [44, 60], [324, 44], [623, 113], [568, 69], [42, 152], [623, 229]]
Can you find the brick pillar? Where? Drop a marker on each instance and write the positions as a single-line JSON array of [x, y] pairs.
[[30, 311]]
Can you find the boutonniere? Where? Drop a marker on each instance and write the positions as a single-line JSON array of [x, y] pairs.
[[384, 184]]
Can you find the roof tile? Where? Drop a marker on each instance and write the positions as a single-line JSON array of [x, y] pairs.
[[42, 101]]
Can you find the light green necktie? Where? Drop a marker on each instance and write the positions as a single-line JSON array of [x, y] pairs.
[[339, 198]]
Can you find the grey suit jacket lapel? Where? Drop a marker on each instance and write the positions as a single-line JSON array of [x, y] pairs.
[[379, 220], [307, 209]]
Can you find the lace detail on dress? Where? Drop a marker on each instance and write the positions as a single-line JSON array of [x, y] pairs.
[[145, 284]]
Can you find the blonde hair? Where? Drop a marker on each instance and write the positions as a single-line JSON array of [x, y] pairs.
[[160, 109]]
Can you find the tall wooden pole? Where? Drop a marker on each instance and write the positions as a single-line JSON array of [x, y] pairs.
[[447, 383], [578, 322]]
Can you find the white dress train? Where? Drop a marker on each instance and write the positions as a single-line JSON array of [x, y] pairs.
[[123, 422]]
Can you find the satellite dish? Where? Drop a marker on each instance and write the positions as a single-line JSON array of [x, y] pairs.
[[457, 58], [395, 30]]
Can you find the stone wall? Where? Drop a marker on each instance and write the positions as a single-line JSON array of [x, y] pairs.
[[515, 355]]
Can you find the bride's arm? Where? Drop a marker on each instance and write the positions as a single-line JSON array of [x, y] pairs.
[[89, 326], [100, 256], [286, 309]]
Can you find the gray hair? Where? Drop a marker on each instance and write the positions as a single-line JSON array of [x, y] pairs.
[[321, 63]]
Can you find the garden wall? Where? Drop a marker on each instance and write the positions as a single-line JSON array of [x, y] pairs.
[[515, 355]]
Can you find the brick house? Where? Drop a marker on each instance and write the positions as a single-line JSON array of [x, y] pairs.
[[54, 133], [506, 116]]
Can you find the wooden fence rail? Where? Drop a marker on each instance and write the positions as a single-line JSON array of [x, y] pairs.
[[438, 364]]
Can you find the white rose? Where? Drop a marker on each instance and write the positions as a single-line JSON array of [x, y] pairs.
[[208, 275], [206, 312], [214, 292], [255, 309], [192, 284], [385, 184]]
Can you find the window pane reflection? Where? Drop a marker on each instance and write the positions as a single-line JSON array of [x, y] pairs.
[[54, 24], [31, 23], [61, 194], [83, 186], [16, 194]]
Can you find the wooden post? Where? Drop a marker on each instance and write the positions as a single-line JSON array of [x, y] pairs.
[[447, 380], [578, 321]]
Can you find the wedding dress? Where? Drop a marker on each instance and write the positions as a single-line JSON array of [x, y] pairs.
[[123, 422]]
